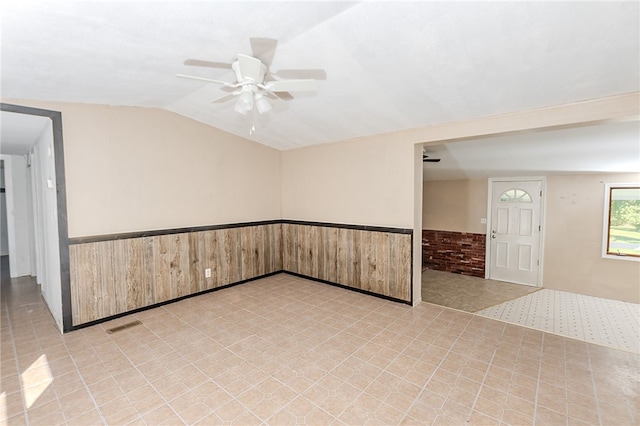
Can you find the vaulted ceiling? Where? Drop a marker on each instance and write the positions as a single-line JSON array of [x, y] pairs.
[[389, 65]]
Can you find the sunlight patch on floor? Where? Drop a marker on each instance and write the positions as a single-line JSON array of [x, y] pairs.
[[35, 380], [4, 413]]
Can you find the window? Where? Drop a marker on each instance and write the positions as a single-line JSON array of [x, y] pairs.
[[514, 196], [621, 236]]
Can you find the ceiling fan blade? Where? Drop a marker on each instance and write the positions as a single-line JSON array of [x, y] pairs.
[[192, 77], [316, 74], [223, 98], [250, 67], [210, 64], [308, 85], [285, 96], [264, 49]]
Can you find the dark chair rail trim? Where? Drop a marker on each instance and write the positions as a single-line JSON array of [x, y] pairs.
[[153, 233]]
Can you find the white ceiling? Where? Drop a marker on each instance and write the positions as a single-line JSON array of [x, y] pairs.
[[19, 132], [601, 148], [390, 65]]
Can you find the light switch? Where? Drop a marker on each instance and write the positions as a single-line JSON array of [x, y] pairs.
[[50, 183], [483, 220]]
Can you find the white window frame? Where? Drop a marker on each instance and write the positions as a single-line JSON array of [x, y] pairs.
[[605, 222]]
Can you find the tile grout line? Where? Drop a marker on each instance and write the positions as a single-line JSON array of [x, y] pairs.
[[17, 364], [382, 370], [424, 387], [595, 389], [95, 404], [227, 348], [484, 378], [537, 397], [57, 397], [167, 402], [145, 378], [335, 417]]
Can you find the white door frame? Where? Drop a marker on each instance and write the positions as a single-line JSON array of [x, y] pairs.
[[9, 204], [543, 181], [20, 230]]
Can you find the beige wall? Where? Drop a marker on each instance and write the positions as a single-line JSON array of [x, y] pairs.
[[133, 169], [573, 240], [364, 181], [455, 205]]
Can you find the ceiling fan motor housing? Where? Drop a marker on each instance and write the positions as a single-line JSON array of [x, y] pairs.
[[249, 77]]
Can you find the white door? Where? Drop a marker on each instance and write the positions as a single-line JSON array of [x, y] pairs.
[[515, 230]]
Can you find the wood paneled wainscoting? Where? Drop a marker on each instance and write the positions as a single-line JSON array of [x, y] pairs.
[[112, 275], [370, 259], [115, 276]]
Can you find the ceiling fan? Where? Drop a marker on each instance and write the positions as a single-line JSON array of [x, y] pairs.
[[255, 83]]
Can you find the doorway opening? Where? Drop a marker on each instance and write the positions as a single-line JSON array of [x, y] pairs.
[[37, 207]]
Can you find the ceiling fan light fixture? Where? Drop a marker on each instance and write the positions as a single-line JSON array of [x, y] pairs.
[[262, 103], [254, 84], [244, 103]]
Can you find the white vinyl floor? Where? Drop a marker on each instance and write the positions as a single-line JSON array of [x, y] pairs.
[[605, 322]]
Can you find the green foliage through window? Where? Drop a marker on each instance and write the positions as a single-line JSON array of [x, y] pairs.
[[624, 221]]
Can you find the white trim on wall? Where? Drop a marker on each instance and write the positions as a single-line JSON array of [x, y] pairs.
[[11, 235], [18, 224]]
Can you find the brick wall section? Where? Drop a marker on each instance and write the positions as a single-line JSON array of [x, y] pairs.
[[458, 252]]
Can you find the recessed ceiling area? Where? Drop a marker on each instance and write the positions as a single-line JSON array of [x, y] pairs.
[[390, 66], [599, 148]]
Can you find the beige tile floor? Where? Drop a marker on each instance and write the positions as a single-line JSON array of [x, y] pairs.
[[285, 350]]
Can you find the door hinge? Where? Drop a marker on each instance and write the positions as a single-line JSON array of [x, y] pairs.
[[539, 229], [541, 193]]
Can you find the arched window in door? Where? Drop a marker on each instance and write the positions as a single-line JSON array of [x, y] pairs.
[[515, 196]]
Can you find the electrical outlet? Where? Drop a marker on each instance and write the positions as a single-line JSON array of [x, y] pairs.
[[207, 273]]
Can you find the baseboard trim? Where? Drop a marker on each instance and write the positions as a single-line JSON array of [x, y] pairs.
[[346, 287], [211, 290], [166, 302]]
